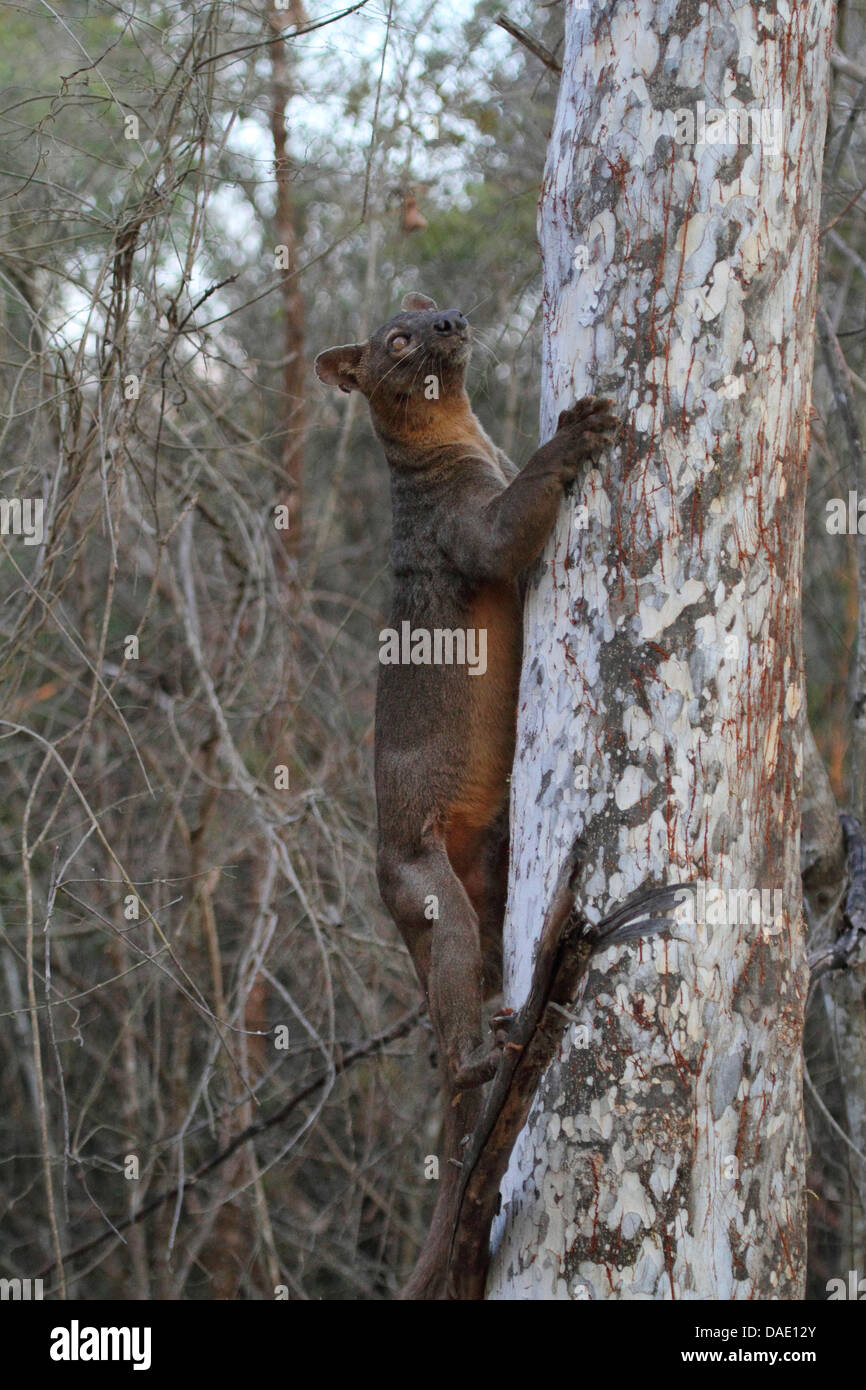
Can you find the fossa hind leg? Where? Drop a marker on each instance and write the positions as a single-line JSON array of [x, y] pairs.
[[440, 927]]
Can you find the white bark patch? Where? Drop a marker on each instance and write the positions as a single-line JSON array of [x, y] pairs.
[[629, 788], [655, 620]]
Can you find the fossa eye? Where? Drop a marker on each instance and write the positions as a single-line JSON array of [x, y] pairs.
[[399, 341]]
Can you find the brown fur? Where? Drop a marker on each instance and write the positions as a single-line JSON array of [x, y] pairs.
[[466, 525]]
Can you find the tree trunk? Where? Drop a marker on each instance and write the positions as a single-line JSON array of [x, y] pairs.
[[662, 705]]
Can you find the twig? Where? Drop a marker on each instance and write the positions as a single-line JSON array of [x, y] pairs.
[[532, 44], [397, 1030], [834, 1125], [837, 370], [846, 67], [284, 35], [841, 952]]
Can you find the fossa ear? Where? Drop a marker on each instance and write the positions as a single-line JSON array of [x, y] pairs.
[[414, 303], [338, 366]]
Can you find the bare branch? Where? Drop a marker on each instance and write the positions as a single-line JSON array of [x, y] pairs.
[[529, 42], [348, 1059]]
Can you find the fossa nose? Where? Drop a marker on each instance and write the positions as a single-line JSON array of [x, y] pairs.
[[450, 324]]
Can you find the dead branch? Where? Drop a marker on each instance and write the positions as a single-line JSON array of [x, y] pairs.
[[566, 945], [842, 953], [348, 1059], [532, 44]]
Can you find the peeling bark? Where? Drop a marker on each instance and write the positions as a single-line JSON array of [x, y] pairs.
[[664, 1157]]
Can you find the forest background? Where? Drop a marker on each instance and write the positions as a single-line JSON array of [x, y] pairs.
[[216, 1077]]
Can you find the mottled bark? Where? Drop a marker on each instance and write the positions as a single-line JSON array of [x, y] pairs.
[[662, 705]]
